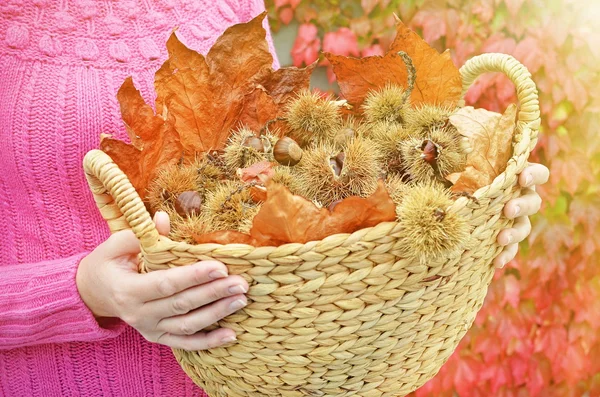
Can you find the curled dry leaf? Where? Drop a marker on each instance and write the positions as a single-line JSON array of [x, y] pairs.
[[490, 136], [154, 141], [438, 80], [285, 217]]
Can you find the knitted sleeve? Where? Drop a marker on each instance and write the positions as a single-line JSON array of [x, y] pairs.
[[39, 303]]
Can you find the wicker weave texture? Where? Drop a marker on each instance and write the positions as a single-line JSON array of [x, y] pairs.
[[347, 315]]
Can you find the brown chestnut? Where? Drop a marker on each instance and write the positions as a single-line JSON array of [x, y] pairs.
[[287, 151], [188, 203]]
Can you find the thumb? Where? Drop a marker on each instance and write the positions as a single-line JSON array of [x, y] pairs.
[[162, 222], [122, 243]]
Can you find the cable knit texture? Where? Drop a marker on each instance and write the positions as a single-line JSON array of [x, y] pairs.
[[61, 64]]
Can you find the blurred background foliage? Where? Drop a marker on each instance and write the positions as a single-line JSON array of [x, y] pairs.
[[538, 333]]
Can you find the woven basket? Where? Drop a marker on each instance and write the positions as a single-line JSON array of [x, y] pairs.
[[344, 316]]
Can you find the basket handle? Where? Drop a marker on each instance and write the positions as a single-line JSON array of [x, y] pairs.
[[529, 113], [117, 199]]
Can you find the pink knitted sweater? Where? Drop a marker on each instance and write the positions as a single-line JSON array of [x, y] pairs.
[[61, 63]]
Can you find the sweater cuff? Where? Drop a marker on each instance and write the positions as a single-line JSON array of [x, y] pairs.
[[40, 304]]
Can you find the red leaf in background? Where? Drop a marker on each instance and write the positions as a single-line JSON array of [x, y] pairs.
[[488, 347], [499, 43], [529, 53], [500, 379], [514, 6], [370, 51], [575, 363], [466, 375], [368, 5], [511, 291], [551, 341], [342, 42], [433, 23], [306, 46], [286, 15], [519, 367], [576, 92], [539, 376]]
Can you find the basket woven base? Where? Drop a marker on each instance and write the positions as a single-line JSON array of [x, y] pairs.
[[378, 326]]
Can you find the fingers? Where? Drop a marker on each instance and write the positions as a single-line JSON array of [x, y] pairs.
[[517, 233], [195, 297], [506, 255], [534, 174], [164, 283], [198, 341], [197, 320], [162, 222], [528, 204]]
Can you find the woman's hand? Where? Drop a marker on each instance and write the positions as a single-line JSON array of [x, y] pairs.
[[170, 307], [520, 208]]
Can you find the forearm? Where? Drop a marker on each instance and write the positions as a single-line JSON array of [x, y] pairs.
[[39, 303]]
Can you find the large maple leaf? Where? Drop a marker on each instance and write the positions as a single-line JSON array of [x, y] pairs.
[[437, 81], [233, 85]]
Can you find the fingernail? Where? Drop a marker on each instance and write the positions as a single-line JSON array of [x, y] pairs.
[[509, 239], [228, 339], [528, 180], [237, 289], [237, 304], [217, 274], [517, 210], [502, 263]]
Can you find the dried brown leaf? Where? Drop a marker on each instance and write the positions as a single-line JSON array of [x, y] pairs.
[[284, 83], [438, 80], [267, 100], [490, 136], [285, 218], [224, 237], [154, 140], [259, 107], [207, 94]]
